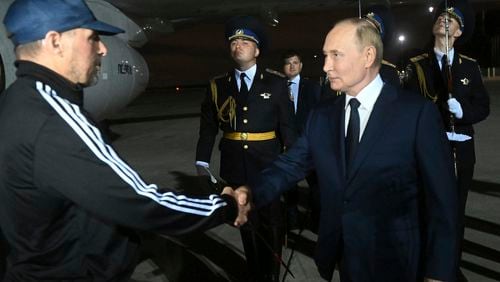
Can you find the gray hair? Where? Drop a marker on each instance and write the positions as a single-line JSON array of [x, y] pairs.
[[30, 49], [367, 35]]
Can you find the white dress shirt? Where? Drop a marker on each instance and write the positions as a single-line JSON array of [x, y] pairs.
[[294, 87], [439, 57], [367, 98], [250, 74]]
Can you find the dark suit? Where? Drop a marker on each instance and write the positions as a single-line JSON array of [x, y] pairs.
[[308, 97], [266, 108], [393, 218], [468, 89]]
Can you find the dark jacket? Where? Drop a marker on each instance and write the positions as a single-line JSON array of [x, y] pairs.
[[68, 202], [426, 78], [397, 208], [267, 108], [309, 94]]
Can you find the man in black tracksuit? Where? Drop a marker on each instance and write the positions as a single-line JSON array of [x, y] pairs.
[[68, 202]]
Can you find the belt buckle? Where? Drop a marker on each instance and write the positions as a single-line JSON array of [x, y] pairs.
[[244, 136]]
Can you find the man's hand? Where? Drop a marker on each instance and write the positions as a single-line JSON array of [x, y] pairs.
[[455, 108], [242, 197]]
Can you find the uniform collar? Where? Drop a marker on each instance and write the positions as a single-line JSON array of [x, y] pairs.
[[439, 55], [249, 72]]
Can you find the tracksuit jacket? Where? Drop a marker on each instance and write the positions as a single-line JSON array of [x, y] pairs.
[[68, 202]]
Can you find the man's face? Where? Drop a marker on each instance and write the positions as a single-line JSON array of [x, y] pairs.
[[439, 28], [292, 67], [244, 51], [345, 61], [84, 56]]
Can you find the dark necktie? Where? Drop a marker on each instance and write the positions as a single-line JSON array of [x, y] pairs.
[[243, 86], [290, 92], [352, 137], [444, 68]]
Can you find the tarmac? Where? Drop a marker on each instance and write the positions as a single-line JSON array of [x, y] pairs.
[[158, 135]]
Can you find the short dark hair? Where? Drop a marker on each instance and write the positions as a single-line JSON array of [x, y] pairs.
[[291, 53]]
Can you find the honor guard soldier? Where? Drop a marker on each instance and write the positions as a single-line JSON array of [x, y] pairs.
[[454, 82], [381, 18], [252, 107]]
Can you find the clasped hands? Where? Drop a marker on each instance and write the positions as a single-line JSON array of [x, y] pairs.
[[242, 197]]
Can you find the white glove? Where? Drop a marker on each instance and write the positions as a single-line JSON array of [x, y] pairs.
[[455, 108], [202, 168]]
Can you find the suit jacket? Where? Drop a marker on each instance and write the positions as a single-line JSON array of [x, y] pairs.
[[266, 108], [467, 88], [309, 92], [393, 217]]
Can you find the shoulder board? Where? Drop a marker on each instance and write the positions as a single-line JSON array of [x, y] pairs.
[[467, 58], [384, 62], [419, 57], [276, 73], [220, 76]]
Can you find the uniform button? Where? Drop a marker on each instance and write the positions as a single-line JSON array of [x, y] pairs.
[[245, 121], [245, 147], [245, 109]]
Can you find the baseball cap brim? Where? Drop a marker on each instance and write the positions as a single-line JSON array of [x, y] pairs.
[[103, 28]]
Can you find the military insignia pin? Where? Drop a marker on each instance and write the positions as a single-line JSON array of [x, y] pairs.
[[465, 81], [265, 95]]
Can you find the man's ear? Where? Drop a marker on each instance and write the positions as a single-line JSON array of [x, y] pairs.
[[370, 55], [457, 33], [52, 42], [257, 52]]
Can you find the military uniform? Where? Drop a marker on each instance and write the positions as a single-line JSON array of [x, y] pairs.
[[467, 87], [256, 128]]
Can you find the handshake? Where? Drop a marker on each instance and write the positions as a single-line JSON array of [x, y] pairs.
[[242, 197]]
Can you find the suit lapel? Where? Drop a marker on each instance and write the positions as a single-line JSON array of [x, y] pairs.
[[337, 130], [381, 113], [300, 99]]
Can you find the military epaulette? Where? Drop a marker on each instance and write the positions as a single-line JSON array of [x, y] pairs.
[[220, 76], [384, 62], [419, 57], [276, 73], [468, 58]]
